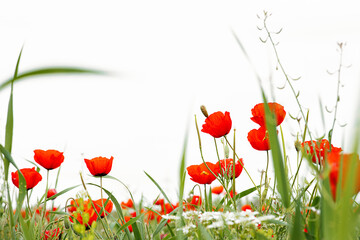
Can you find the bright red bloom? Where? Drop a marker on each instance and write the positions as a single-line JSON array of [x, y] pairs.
[[49, 159], [231, 193], [196, 200], [259, 139], [258, 113], [87, 217], [322, 147], [51, 192], [32, 177], [159, 202], [217, 190], [334, 161], [128, 204], [217, 124], [227, 166], [201, 174], [126, 218], [99, 206], [99, 166], [246, 207], [74, 205], [53, 234]]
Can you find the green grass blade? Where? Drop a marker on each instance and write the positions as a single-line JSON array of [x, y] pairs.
[[280, 174], [62, 192], [50, 71], [158, 186], [297, 228]]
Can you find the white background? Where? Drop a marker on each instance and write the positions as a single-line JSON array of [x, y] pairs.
[[165, 59]]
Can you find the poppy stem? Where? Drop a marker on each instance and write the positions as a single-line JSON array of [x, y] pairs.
[[46, 190], [233, 173], [28, 203], [102, 204], [243, 165]]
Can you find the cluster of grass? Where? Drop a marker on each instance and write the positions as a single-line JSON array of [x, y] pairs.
[[284, 209]]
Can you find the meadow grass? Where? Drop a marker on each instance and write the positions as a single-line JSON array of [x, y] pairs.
[[322, 207]]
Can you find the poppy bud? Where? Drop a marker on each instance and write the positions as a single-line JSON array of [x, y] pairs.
[[297, 145], [204, 111]]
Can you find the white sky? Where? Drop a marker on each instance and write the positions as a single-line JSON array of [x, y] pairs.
[[166, 59]]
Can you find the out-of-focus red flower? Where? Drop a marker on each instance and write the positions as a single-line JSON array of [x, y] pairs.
[[74, 205], [53, 234], [99, 206], [322, 147], [227, 166], [128, 204], [99, 166], [217, 124], [231, 193], [334, 161], [195, 202], [258, 113], [126, 218], [86, 217], [200, 173], [22, 212], [49, 159], [47, 213], [259, 139], [217, 190], [51, 192], [32, 177], [246, 207], [159, 202]]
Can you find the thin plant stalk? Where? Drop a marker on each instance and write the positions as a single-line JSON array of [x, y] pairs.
[[243, 165]]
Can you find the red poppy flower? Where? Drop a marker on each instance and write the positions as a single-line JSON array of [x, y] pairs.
[[334, 161], [99, 166], [227, 167], [258, 113], [126, 218], [53, 234], [108, 207], [128, 204], [32, 177], [74, 205], [322, 147], [196, 200], [51, 192], [49, 159], [200, 173], [231, 193], [246, 207], [86, 217], [217, 124], [217, 190], [259, 139], [159, 202]]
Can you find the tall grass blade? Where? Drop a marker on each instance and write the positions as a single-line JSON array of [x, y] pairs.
[[50, 71], [280, 174]]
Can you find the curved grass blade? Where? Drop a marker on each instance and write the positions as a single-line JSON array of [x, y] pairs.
[[50, 71], [280, 173]]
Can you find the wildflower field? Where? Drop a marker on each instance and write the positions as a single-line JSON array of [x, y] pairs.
[[316, 200]]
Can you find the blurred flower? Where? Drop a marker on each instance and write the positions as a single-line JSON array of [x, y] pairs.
[[259, 139], [39, 210], [246, 207], [201, 174], [334, 161], [128, 204], [53, 234], [99, 206], [227, 166], [321, 148], [85, 216], [231, 193], [49, 159], [99, 166], [75, 204], [217, 124], [217, 190], [126, 218], [32, 177], [258, 113], [22, 212], [51, 192]]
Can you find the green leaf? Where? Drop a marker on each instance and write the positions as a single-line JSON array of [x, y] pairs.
[[50, 71], [280, 174]]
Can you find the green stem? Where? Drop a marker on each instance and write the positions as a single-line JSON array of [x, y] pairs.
[[243, 166], [28, 203], [46, 190], [233, 174]]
